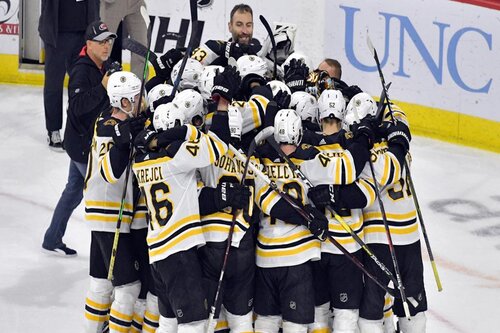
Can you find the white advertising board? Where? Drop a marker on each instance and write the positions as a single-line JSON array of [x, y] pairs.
[[440, 54], [437, 53]]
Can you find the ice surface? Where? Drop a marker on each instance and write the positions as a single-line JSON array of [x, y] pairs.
[[458, 188]]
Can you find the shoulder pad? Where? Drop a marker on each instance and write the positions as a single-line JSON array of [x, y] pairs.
[[110, 122], [305, 152], [106, 126]]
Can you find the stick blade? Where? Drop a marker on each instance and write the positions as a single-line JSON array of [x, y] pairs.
[[369, 43], [145, 16]]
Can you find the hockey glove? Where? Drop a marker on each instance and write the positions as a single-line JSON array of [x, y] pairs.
[[226, 84], [399, 133], [271, 112], [162, 100], [351, 91], [323, 195], [363, 131], [163, 65], [282, 99], [143, 140], [122, 135], [115, 66], [231, 194], [249, 82], [295, 75], [318, 223], [137, 125], [236, 50]]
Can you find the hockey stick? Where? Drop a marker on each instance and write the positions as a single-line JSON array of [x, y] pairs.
[[339, 218], [273, 43], [193, 40], [399, 281], [137, 48], [114, 249], [407, 168], [262, 135], [306, 216], [382, 99]]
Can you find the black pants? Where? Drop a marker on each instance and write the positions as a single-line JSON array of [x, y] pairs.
[[179, 284], [409, 258], [58, 61], [286, 291], [126, 267], [238, 284], [338, 280]]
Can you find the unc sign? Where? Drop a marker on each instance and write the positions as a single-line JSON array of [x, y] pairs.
[[406, 28]]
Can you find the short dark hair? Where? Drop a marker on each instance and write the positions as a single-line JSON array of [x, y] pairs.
[[242, 8], [334, 63]]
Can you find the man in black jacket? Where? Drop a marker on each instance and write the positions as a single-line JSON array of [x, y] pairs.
[[62, 28], [87, 99]]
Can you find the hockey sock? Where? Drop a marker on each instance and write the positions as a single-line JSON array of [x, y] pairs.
[[267, 324], [370, 326], [122, 309], [138, 317], [167, 325], [289, 327], [193, 327], [416, 324], [151, 315], [389, 315], [345, 320], [240, 324], [321, 317], [97, 304]]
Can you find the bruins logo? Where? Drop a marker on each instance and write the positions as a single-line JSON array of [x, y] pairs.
[[305, 146], [349, 135]]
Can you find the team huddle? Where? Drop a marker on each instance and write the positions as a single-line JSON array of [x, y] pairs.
[[269, 198]]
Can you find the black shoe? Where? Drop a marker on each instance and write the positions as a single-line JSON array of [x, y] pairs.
[[61, 251], [55, 142]]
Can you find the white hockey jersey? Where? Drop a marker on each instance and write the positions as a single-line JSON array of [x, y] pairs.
[[170, 186], [216, 226], [353, 217], [396, 197], [104, 190], [283, 244]]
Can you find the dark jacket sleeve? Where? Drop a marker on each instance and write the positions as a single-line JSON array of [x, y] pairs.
[[83, 97]]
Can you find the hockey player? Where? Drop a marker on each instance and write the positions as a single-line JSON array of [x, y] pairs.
[[335, 272], [190, 75], [191, 104], [253, 96], [388, 159], [306, 106], [284, 245], [105, 183], [220, 198], [167, 178], [218, 52]]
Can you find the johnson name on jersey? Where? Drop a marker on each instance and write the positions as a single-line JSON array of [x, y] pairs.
[[216, 225]]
